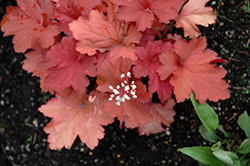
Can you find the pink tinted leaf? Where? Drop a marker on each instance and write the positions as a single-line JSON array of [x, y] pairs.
[[32, 22], [69, 10], [135, 112], [74, 116], [72, 67], [192, 71], [195, 13], [143, 12], [147, 65], [105, 33], [161, 115], [125, 94], [33, 59]]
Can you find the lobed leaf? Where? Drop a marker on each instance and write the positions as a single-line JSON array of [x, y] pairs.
[[144, 12], [194, 12], [71, 68], [147, 64], [74, 115], [191, 70], [105, 33], [161, 115], [69, 10], [31, 22], [109, 75]]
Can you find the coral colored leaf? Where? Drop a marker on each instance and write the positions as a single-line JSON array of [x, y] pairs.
[[34, 58], [148, 63], [126, 94], [37, 63], [161, 115], [189, 62], [110, 74], [143, 12], [75, 115], [195, 13], [31, 22], [69, 10], [105, 33], [72, 67], [135, 112]]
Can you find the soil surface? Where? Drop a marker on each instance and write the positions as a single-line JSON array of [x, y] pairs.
[[23, 141]]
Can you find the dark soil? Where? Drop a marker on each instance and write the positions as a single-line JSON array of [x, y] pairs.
[[23, 141]]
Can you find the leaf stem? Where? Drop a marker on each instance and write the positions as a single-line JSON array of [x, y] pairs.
[[219, 138], [171, 24], [225, 18]]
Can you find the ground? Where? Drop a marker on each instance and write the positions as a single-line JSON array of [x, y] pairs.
[[23, 141]]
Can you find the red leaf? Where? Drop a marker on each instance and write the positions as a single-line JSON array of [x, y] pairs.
[[126, 94], [75, 115], [72, 67], [189, 62], [103, 33], [31, 22], [143, 12], [148, 63], [147, 35], [194, 12]]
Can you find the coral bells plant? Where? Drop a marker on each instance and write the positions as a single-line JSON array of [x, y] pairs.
[[104, 59]]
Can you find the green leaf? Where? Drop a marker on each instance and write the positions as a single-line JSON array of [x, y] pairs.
[[206, 114], [235, 158], [230, 158], [202, 164], [245, 162], [216, 146], [221, 128], [244, 123], [211, 137], [202, 154], [244, 147], [29, 138], [26, 119]]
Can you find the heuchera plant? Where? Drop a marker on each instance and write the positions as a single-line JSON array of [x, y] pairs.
[[104, 59]]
